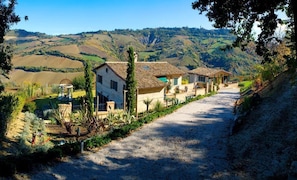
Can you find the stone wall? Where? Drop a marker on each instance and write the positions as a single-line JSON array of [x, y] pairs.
[[65, 111]]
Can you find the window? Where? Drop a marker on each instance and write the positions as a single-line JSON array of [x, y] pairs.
[[114, 85], [106, 70], [201, 78], [99, 79], [175, 81]]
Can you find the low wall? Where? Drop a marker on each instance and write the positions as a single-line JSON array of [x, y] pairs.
[[65, 110], [158, 96]]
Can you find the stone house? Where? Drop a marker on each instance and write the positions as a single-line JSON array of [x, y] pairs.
[[209, 78], [152, 80]]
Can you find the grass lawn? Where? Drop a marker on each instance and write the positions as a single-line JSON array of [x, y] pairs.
[[93, 58], [52, 99], [245, 85]]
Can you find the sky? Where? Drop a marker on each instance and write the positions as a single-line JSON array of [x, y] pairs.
[[55, 17]]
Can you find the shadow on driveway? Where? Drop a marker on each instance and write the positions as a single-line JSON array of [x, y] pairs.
[[190, 143]]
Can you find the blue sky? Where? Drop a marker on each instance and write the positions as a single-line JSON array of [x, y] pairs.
[[56, 17]]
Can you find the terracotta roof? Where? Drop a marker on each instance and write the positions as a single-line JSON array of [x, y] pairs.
[[146, 73], [209, 72]]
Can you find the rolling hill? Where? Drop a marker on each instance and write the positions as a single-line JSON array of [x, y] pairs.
[[49, 59]]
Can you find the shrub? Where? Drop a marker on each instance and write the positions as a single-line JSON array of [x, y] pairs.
[[29, 106], [55, 153], [10, 107], [97, 141], [70, 148], [185, 81], [246, 105], [158, 106], [245, 85], [79, 82], [55, 89]]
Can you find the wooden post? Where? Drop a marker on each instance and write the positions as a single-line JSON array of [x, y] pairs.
[[195, 85], [124, 100], [97, 107], [136, 110], [82, 147]]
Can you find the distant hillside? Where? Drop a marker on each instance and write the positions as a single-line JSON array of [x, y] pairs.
[[186, 48]]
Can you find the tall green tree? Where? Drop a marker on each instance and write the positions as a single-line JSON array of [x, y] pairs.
[[240, 17], [89, 100], [131, 82], [7, 18], [79, 82]]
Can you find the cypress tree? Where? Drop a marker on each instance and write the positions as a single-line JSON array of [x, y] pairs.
[[88, 88], [131, 82]]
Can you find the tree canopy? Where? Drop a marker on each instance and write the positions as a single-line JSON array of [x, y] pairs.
[[240, 17], [7, 18]]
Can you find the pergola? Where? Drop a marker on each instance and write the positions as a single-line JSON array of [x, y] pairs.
[[65, 90]]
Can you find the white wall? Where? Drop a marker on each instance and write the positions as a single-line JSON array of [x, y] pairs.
[[104, 88], [157, 96], [179, 83]]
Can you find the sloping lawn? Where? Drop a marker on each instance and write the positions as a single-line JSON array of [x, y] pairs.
[[245, 85]]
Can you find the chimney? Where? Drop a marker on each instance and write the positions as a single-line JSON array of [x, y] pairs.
[[135, 57]]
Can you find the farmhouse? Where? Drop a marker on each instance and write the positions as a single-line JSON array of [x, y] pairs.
[[208, 77], [152, 80]]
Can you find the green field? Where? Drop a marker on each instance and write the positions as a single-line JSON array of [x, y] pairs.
[[93, 58], [245, 85], [146, 54]]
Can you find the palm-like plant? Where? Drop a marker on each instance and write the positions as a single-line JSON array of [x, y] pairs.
[[147, 102]]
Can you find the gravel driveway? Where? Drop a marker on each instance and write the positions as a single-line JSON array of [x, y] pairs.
[[190, 143]]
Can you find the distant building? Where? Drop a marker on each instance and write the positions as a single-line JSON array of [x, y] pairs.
[[152, 79], [208, 77]]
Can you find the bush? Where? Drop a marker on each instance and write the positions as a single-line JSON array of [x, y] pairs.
[[55, 153], [245, 85], [159, 106], [70, 148], [29, 106], [246, 105], [79, 82], [10, 107], [97, 141]]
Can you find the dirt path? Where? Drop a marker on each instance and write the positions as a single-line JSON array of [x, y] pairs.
[[188, 144]]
